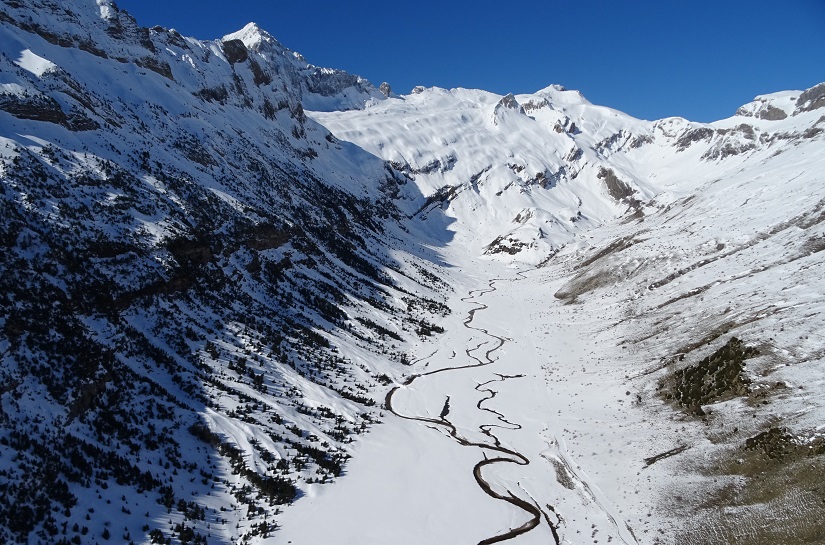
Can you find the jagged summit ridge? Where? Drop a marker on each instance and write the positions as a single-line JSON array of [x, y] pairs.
[[166, 52], [253, 37], [554, 161]]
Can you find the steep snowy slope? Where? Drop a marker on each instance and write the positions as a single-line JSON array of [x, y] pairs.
[[200, 299], [520, 175], [716, 303]]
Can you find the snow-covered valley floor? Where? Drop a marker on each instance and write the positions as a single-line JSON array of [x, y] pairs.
[[550, 392], [608, 458]]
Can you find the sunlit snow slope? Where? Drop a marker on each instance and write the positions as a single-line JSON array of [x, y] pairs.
[[670, 298]]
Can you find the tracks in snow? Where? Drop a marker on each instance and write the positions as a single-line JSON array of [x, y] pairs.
[[502, 454]]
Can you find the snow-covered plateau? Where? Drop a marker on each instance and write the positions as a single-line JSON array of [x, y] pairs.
[[246, 299]]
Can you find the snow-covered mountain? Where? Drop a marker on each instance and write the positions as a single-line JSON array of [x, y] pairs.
[[200, 301], [222, 265], [668, 298]]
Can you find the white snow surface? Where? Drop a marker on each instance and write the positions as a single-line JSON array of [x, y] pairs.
[[594, 295], [34, 64], [719, 240]]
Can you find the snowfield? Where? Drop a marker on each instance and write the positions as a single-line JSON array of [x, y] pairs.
[[712, 251]]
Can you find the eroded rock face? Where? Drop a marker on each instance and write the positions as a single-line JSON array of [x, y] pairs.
[[694, 135], [45, 108], [509, 101], [156, 65], [37, 108], [617, 188], [506, 106], [329, 82], [385, 89], [763, 110], [235, 51], [772, 113], [735, 141], [811, 99], [535, 105], [507, 245]]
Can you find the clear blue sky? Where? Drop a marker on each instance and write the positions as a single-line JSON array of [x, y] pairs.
[[698, 59]]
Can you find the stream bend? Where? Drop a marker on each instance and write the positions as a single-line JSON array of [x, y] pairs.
[[503, 455]]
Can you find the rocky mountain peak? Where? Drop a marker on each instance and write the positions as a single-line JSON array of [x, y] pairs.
[[771, 107], [811, 99], [509, 101], [253, 37], [506, 106]]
